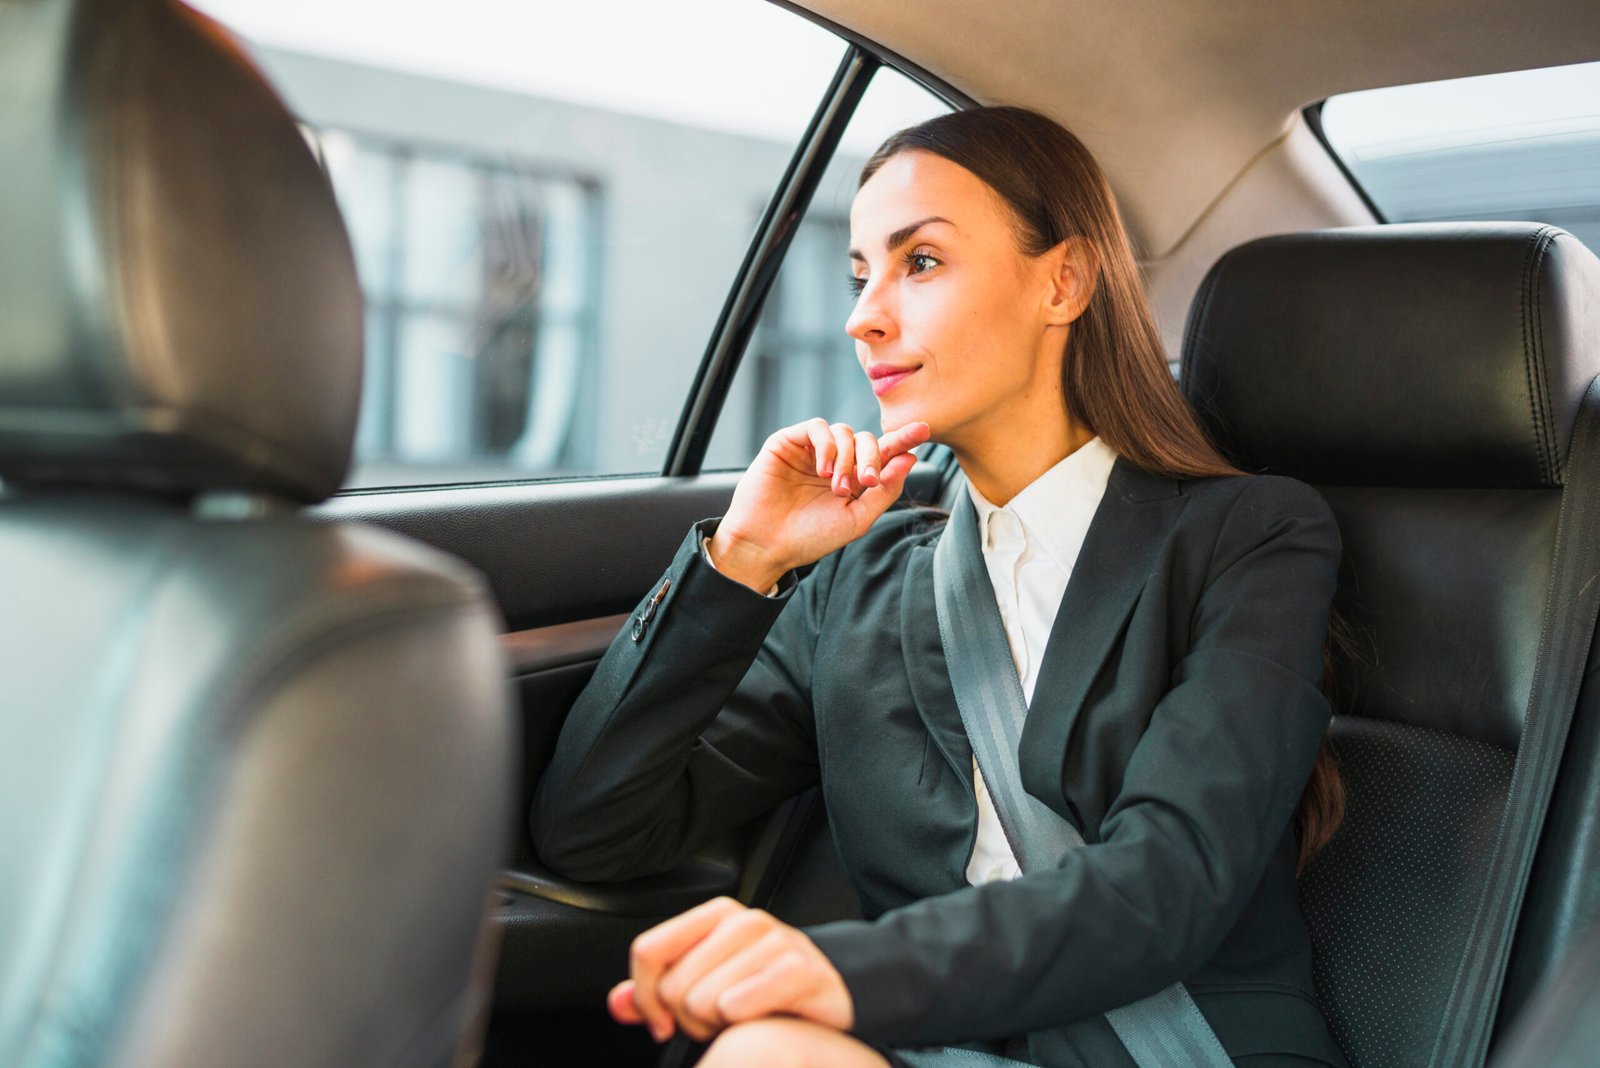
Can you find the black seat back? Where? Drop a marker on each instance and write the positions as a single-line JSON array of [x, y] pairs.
[[254, 768], [1561, 1028], [1426, 379]]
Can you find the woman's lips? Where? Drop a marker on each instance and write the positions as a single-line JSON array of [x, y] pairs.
[[880, 386]]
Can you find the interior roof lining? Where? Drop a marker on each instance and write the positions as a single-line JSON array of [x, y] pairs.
[[1176, 100]]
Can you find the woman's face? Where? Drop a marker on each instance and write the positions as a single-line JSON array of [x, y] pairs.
[[953, 324]]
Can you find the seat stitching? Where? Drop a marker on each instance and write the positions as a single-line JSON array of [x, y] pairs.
[[1547, 237], [1527, 369], [1531, 356]]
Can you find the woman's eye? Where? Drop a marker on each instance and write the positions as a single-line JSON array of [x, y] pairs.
[[856, 285], [921, 261]]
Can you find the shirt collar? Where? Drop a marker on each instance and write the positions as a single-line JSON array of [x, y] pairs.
[[1056, 508]]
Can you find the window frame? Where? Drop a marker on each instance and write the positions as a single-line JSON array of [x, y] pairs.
[[1313, 117]]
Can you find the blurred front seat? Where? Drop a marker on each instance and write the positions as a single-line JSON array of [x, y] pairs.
[[253, 767]]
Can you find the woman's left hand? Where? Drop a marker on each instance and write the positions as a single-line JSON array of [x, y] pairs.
[[720, 964]]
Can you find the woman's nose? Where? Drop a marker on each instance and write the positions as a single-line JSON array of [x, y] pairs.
[[872, 319]]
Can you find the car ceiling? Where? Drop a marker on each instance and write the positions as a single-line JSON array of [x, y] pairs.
[[1176, 98]]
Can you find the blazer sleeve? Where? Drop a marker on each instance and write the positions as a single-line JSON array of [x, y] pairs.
[[699, 724], [1205, 800]]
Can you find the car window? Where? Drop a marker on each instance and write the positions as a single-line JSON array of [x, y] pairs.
[[547, 213], [800, 363], [1522, 145]]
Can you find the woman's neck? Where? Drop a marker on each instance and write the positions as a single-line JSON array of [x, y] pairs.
[[1003, 462]]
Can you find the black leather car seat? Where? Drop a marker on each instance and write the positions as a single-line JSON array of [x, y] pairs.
[[1426, 379], [254, 768], [1560, 1025]]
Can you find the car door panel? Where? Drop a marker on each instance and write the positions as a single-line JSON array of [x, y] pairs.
[[571, 551], [553, 552]]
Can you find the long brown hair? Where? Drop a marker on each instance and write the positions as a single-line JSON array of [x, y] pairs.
[[1114, 375]]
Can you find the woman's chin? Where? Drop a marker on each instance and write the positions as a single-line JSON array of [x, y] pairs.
[[894, 416]]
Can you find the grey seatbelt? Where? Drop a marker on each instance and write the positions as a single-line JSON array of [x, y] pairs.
[[1164, 1030], [1572, 604]]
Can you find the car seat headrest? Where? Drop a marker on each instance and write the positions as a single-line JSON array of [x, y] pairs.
[[179, 309], [1424, 354]]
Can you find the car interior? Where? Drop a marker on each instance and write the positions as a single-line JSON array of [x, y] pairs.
[[270, 740]]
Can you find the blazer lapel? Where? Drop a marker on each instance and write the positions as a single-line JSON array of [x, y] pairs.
[[926, 666], [1131, 525]]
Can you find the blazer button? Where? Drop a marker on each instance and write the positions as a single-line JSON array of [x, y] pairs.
[[648, 612]]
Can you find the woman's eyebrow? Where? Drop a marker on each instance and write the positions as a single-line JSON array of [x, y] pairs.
[[902, 235]]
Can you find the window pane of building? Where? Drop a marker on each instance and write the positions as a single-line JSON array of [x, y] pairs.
[[547, 214], [1523, 145], [801, 363]]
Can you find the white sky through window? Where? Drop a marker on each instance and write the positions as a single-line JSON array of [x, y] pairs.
[[1520, 146], [1464, 111], [744, 66]]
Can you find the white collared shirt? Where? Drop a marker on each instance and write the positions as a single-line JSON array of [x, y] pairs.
[[1030, 547]]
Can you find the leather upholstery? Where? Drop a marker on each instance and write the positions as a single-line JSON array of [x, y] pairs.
[[1474, 561], [253, 780], [1427, 354], [255, 768], [1426, 379], [179, 308], [1563, 1030]]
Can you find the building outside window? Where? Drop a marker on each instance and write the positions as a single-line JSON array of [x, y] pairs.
[[481, 314]]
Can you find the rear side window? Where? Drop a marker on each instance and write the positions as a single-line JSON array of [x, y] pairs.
[[1523, 145], [548, 203]]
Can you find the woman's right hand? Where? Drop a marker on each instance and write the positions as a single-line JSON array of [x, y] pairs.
[[813, 488]]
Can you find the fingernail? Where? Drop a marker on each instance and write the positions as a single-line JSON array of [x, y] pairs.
[[827, 470], [869, 472]]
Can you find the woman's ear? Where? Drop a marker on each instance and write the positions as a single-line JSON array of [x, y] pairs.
[[1074, 273]]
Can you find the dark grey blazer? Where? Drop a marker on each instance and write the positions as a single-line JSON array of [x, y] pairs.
[[1175, 720]]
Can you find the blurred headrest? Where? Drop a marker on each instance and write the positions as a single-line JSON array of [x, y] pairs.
[[179, 308], [1424, 354]]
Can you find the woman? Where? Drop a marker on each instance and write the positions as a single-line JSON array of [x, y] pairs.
[[1175, 714]]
